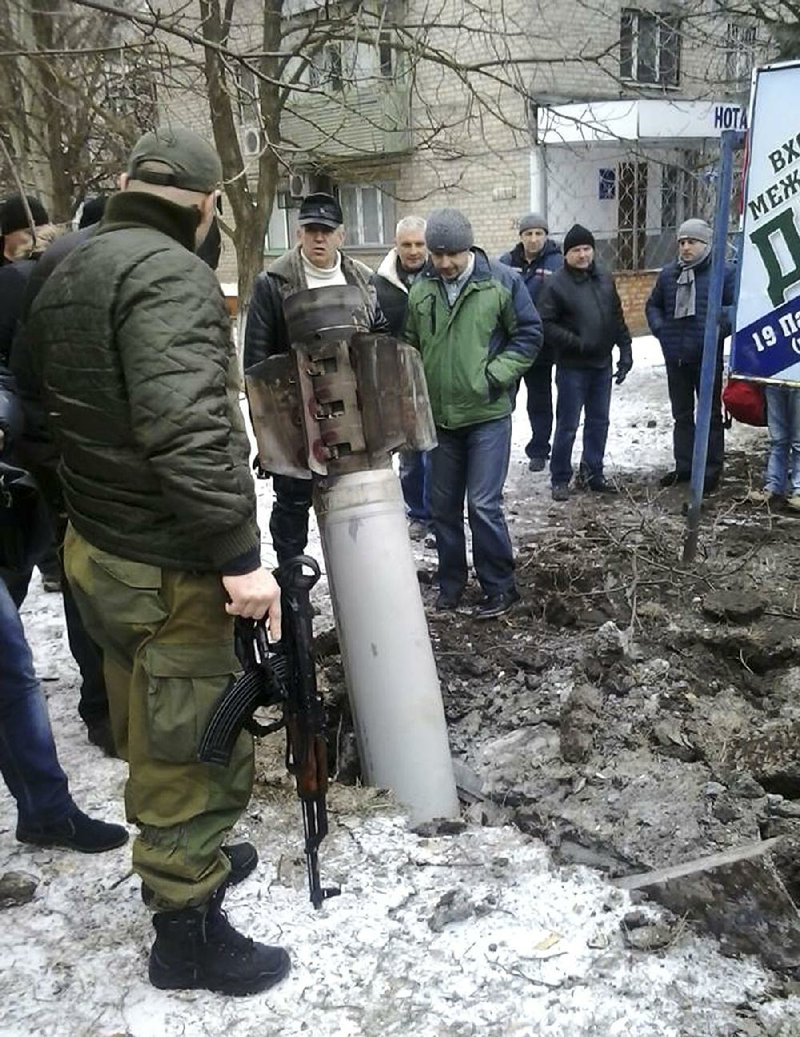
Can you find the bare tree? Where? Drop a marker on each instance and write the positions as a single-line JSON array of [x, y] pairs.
[[332, 86], [77, 95]]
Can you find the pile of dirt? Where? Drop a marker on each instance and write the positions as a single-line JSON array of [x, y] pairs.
[[634, 711]]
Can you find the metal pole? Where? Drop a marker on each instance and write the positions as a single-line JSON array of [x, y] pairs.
[[729, 140]]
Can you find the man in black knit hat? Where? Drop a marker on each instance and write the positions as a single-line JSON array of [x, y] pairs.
[[18, 218], [583, 321]]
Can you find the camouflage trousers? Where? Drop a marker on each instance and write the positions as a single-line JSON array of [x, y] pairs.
[[168, 655]]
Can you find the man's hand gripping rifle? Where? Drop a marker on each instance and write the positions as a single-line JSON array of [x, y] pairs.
[[282, 674]]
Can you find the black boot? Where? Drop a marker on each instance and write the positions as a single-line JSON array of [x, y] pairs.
[[198, 949]]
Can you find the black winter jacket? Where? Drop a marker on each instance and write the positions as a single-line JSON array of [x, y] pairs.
[[133, 338], [681, 338], [582, 317], [266, 333], [392, 293]]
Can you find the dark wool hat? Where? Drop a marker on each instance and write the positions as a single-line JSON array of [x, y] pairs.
[[13, 216], [448, 230], [91, 211], [175, 157], [532, 221], [577, 235], [697, 229], [320, 209]]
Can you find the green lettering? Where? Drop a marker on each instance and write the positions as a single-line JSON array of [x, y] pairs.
[[779, 281]]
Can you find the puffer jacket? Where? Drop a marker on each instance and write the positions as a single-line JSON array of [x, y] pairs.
[[681, 338], [475, 352], [536, 274], [266, 333], [583, 319], [131, 336]]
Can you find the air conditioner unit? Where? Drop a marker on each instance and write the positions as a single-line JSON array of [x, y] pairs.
[[251, 141], [299, 186]]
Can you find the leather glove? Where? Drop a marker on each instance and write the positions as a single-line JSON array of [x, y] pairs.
[[258, 471], [622, 372]]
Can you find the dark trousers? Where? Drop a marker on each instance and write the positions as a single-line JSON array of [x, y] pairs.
[[288, 523], [472, 460], [93, 701], [683, 382], [539, 383], [587, 390], [415, 484]]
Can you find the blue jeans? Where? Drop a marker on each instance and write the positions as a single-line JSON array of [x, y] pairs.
[[783, 418], [28, 758], [586, 389], [472, 460], [415, 482], [539, 383]]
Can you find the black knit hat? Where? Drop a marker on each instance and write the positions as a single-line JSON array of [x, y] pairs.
[[91, 211], [13, 216], [577, 235]]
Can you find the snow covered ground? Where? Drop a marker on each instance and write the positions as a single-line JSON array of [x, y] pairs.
[[471, 935]]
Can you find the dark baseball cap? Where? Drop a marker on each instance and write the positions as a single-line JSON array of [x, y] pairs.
[[191, 163], [322, 209]]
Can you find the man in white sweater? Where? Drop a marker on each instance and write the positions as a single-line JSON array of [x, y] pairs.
[[315, 262]]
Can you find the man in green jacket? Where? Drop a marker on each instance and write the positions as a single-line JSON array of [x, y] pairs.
[[133, 344], [478, 331]]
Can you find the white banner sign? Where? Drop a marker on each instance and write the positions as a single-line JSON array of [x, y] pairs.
[[767, 338]]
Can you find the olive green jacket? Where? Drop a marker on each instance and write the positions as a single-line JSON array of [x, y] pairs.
[[132, 341]]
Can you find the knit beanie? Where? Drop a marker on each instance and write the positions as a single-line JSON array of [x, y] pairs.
[[448, 230], [577, 235], [13, 216], [697, 229], [91, 211], [533, 221]]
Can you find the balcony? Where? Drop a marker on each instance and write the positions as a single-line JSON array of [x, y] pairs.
[[350, 124]]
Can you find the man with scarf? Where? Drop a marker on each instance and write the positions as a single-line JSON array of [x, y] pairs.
[[676, 314]]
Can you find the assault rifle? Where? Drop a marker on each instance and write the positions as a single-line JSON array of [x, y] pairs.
[[282, 673]]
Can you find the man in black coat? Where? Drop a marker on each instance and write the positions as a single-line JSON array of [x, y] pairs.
[[537, 257], [676, 314], [583, 321], [316, 262]]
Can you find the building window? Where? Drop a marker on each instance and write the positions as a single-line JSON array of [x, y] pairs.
[[247, 97], [740, 57], [649, 47], [368, 213], [282, 230], [326, 71]]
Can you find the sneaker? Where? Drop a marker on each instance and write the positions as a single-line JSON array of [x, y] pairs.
[[198, 949], [673, 478], [710, 483], [76, 832], [243, 858], [496, 604], [601, 485], [537, 464], [794, 502], [99, 733], [446, 602], [561, 492]]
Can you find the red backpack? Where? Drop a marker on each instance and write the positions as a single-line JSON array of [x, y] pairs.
[[744, 401]]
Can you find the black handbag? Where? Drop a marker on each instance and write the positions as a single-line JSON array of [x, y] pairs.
[[25, 530]]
